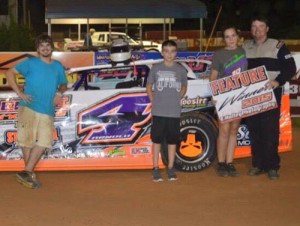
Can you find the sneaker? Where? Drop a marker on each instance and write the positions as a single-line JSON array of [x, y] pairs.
[[171, 174], [156, 175], [222, 169], [35, 180], [25, 178], [232, 170], [254, 171], [273, 174]]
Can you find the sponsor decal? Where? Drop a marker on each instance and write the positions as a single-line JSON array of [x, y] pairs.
[[139, 150], [102, 58], [11, 136], [187, 102], [191, 147], [9, 150], [243, 138], [8, 110], [117, 151]]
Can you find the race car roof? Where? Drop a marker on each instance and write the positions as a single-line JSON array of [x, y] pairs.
[[125, 9]]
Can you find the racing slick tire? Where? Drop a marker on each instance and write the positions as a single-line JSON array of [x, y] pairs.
[[197, 148]]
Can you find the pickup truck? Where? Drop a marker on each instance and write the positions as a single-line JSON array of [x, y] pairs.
[[102, 40]]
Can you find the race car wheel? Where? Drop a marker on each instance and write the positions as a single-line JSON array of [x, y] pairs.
[[197, 148]]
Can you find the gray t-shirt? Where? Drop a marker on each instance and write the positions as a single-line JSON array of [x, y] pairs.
[[167, 82], [229, 61]]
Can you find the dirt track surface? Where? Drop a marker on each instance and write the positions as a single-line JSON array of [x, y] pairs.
[[130, 198]]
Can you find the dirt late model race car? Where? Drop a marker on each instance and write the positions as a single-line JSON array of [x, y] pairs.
[[104, 122]]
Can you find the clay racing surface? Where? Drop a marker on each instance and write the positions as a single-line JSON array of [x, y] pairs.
[[130, 198]]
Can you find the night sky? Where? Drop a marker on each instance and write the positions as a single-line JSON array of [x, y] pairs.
[[37, 11], [284, 16]]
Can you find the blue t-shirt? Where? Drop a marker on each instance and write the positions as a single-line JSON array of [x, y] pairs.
[[41, 83]]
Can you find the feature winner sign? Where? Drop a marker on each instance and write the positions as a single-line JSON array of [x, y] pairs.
[[243, 94]]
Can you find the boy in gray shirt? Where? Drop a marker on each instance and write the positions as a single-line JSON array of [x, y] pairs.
[[166, 85]]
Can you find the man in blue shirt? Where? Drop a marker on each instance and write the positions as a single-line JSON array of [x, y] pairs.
[[45, 82]]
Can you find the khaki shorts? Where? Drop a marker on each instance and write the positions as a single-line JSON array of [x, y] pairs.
[[34, 128]]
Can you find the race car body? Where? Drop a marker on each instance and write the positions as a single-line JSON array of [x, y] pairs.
[[106, 125]]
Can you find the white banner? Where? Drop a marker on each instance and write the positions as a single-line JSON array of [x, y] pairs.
[[241, 95]]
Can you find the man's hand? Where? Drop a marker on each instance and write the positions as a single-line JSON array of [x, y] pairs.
[[25, 97], [272, 84]]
